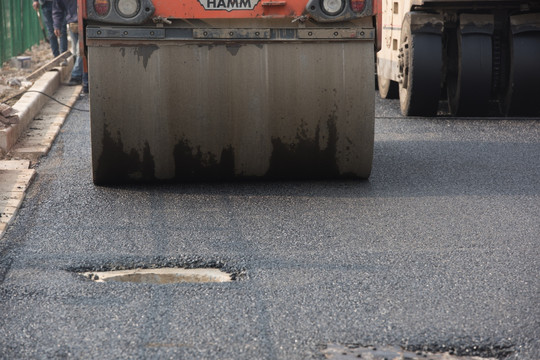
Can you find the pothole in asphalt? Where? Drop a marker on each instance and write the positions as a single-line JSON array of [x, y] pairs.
[[348, 352], [160, 275]]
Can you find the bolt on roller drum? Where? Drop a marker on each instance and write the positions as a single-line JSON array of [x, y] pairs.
[[219, 110]]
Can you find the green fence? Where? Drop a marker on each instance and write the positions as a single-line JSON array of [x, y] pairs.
[[19, 28]]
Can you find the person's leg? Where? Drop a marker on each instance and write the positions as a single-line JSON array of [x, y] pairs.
[[63, 38], [46, 8], [85, 82], [73, 42], [77, 71]]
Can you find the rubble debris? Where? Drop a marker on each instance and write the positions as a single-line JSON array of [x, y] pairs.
[[8, 115]]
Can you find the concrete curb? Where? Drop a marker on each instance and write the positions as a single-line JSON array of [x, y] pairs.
[[30, 104], [38, 138]]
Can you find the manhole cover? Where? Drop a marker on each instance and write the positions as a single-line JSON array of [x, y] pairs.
[[341, 352], [160, 276]]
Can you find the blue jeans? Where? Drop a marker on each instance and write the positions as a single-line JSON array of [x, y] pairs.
[[46, 9], [77, 71]]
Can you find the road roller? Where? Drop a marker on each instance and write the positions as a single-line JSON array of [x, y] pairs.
[[197, 90], [481, 57]]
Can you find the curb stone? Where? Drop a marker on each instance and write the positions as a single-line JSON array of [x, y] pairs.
[[30, 104]]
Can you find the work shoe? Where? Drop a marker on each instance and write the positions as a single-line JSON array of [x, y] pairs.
[[74, 81]]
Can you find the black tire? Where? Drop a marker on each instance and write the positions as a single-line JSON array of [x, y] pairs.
[[522, 90], [470, 60], [388, 89], [421, 71]]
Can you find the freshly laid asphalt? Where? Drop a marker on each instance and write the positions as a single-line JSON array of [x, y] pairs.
[[439, 250]]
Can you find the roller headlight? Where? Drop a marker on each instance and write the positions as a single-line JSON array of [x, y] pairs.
[[332, 7], [128, 8]]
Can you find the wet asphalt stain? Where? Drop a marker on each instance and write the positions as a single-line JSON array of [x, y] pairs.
[[145, 52], [191, 163], [233, 49], [305, 158], [148, 167], [115, 164]]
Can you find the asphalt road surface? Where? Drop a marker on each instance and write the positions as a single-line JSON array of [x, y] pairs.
[[439, 250]]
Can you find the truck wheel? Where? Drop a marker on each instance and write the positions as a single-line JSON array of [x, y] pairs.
[[469, 74], [388, 89], [420, 66], [522, 93]]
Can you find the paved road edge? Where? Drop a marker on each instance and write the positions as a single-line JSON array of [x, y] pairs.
[[25, 143]]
